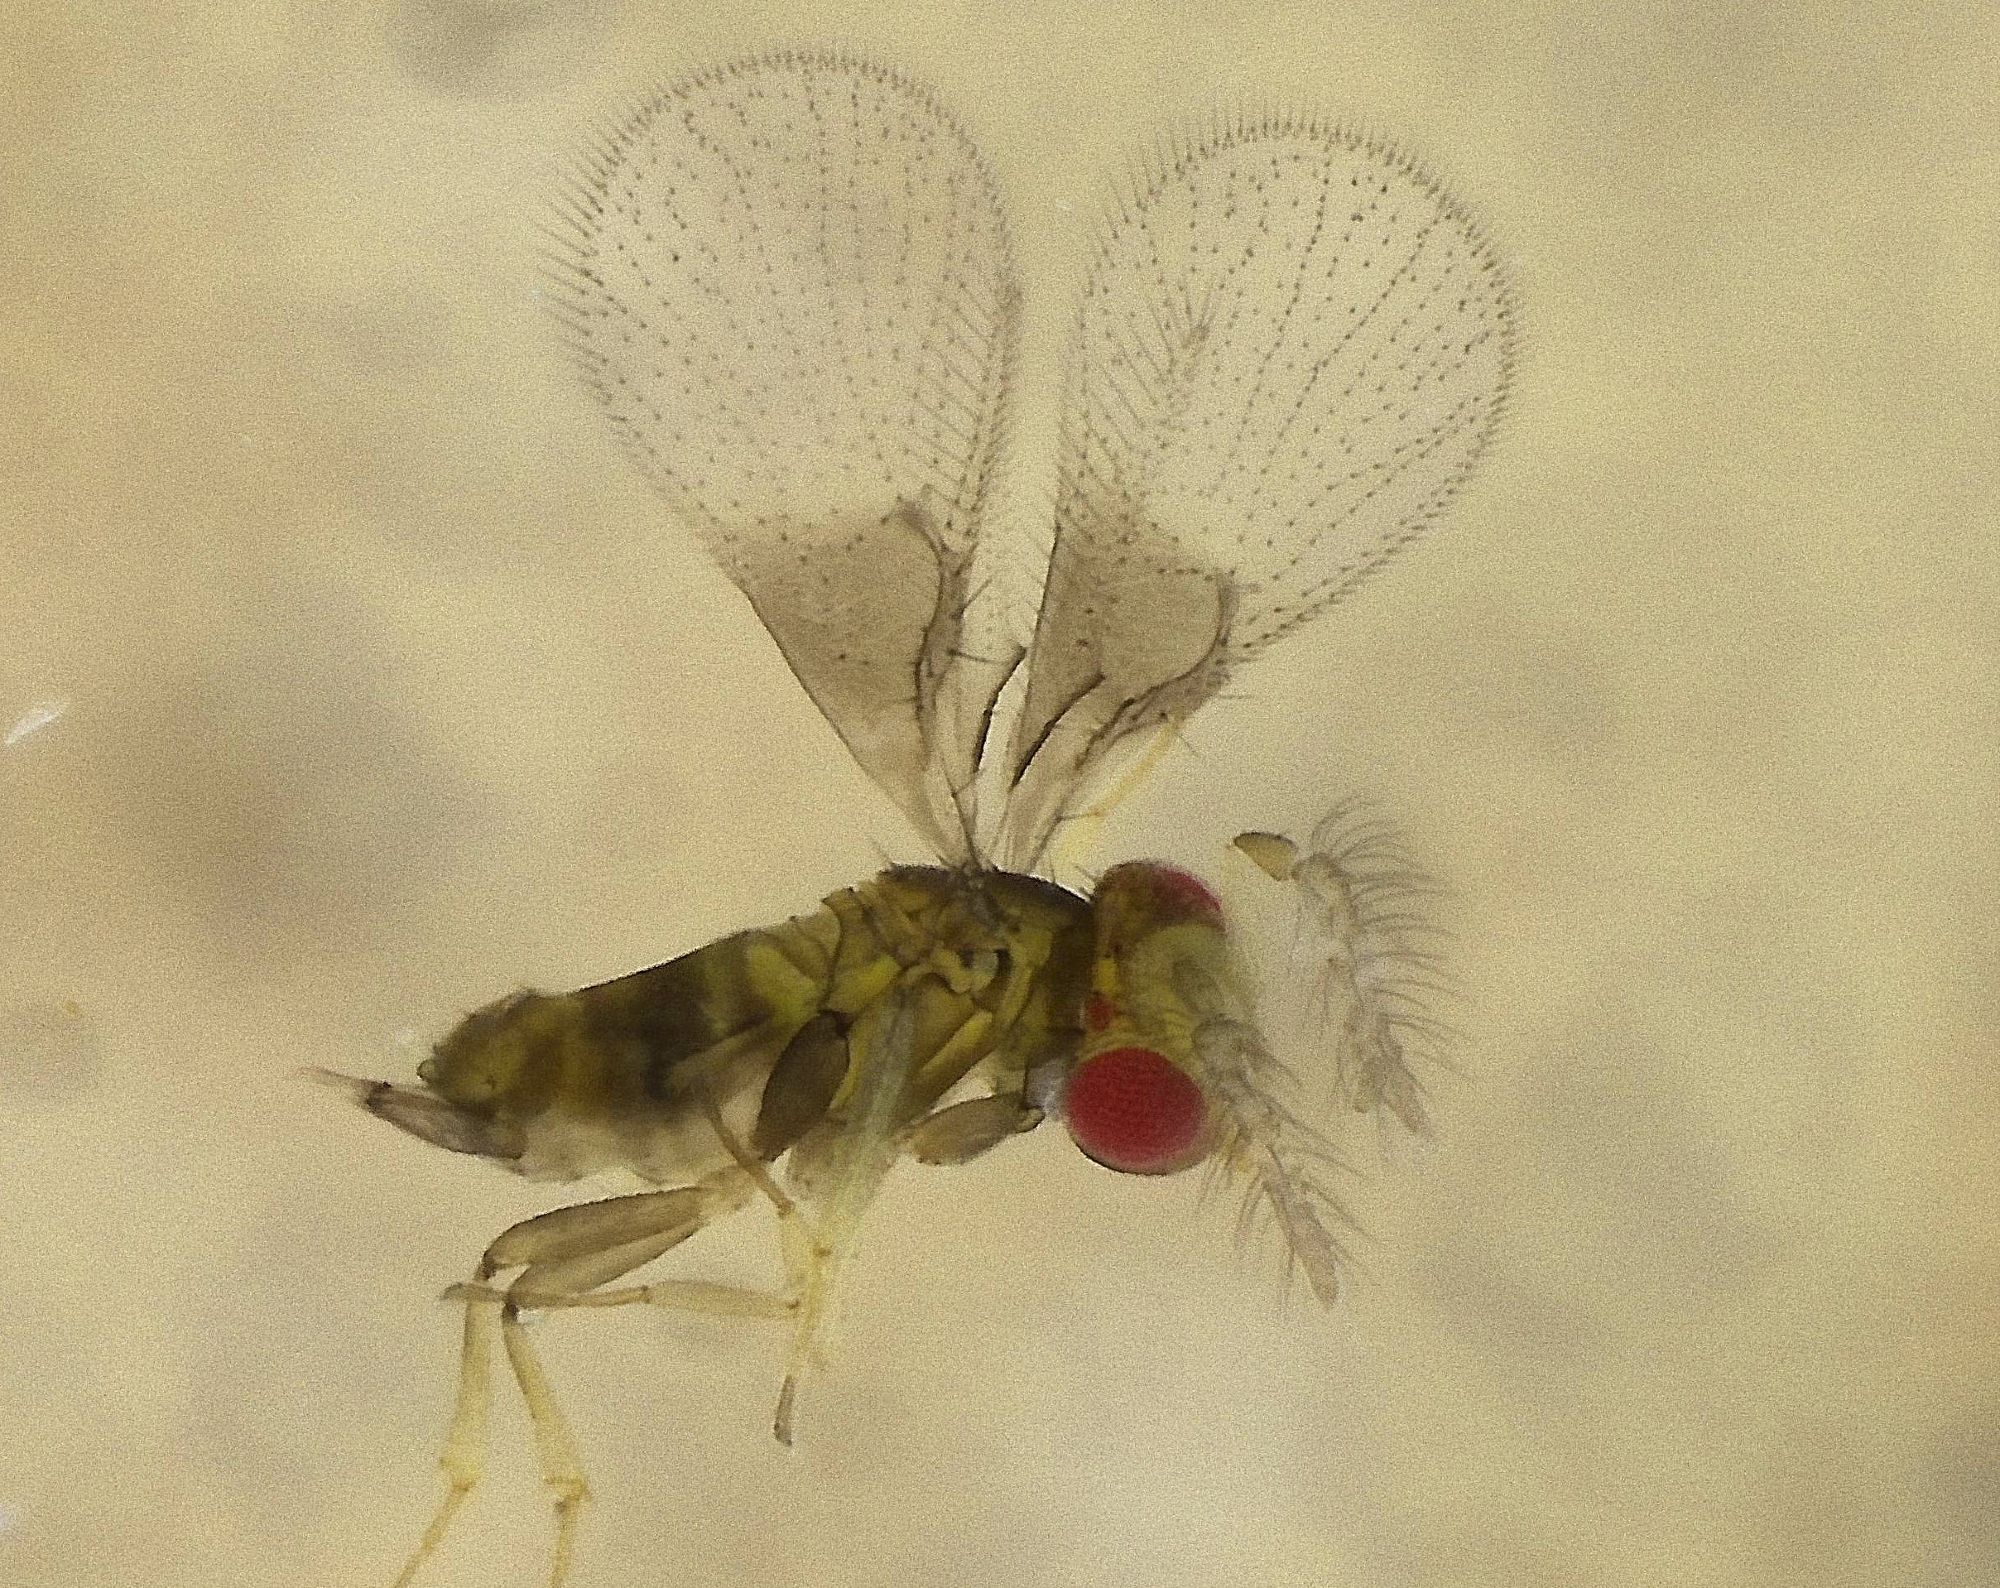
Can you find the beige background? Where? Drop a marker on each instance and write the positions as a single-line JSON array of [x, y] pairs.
[[387, 692]]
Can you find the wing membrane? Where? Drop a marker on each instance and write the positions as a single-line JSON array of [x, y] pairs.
[[788, 280], [1292, 349]]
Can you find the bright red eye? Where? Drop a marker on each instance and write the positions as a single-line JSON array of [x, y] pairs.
[[1162, 892], [1186, 893], [1133, 1110]]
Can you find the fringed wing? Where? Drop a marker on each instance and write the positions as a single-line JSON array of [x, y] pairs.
[[1293, 347], [788, 281]]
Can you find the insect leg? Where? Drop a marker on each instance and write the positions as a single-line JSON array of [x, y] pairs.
[[805, 1256], [672, 1295], [464, 1455], [555, 1446], [545, 1286], [568, 1253], [960, 1132], [860, 1153], [562, 1255]]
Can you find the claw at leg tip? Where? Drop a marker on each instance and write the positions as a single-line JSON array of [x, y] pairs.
[[781, 1423]]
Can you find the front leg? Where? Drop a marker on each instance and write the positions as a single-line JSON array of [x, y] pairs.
[[960, 1132]]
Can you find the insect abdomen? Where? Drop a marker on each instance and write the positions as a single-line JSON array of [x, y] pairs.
[[614, 1076]]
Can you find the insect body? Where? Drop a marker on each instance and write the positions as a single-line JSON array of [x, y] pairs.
[[755, 1030], [788, 282]]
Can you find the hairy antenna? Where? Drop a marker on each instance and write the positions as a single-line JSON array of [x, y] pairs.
[[1264, 1141]]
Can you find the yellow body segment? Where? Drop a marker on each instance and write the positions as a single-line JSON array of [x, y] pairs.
[[620, 1075]]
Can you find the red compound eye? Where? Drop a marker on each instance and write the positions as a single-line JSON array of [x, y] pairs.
[[1162, 893], [1133, 1110], [1186, 893]]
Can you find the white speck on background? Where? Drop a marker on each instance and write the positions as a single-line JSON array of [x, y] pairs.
[[34, 719]]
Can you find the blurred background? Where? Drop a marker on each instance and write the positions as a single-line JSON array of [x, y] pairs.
[[353, 678]]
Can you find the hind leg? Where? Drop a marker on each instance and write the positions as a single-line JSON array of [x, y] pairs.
[[563, 1256], [463, 1458]]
